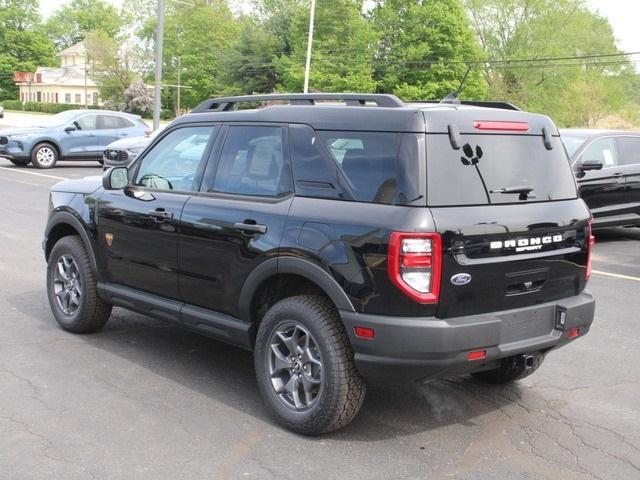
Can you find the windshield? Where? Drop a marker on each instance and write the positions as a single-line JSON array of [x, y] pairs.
[[573, 143], [497, 169], [58, 120]]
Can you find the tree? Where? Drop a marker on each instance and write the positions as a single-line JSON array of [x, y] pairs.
[[110, 69], [422, 49], [137, 99], [522, 29], [71, 23], [249, 65], [23, 45], [201, 36], [343, 44]]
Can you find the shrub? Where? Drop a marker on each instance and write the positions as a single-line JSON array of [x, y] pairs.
[[44, 107]]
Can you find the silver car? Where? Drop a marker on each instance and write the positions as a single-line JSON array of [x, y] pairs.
[[122, 152]]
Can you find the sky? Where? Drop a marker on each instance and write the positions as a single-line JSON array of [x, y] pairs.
[[622, 14]]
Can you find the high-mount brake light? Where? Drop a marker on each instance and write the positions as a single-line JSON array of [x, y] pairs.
[[415, 265], [591, 241], [498, 125]]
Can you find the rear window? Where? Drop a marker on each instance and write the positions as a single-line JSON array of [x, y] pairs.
[[373, 167], [494, 169]]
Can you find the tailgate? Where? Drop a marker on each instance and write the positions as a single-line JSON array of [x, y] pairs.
[[515, 255]]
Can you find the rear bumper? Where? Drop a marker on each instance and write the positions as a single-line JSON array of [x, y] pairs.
[[406, 348]]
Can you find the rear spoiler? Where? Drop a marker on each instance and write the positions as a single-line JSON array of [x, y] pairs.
[[477, 103]]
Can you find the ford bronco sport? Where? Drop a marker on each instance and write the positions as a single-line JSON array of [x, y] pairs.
[[342, 238]]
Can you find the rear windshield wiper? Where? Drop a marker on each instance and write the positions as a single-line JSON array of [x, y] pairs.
[[522, 190]]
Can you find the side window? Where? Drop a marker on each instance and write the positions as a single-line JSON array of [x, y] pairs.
[[108, 122], [175, 162], [86, 123], [124, 122], [252, 162], [629, 148], [314, 172], [603, 150]]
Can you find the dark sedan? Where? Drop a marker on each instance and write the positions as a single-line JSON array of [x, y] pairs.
[[607, 167]]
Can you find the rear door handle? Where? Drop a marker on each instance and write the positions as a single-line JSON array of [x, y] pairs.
[[617, 174], [250, 227], [160, 215]]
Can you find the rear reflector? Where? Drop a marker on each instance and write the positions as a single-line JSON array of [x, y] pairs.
[[591, 241], [365, 332], [477, 355], [505, 126], [574, 332]]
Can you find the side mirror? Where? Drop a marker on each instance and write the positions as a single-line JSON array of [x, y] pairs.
[[70, 128], [115, 178], [586, 165]]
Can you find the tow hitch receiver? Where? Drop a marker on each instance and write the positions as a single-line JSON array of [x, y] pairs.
[[527, 361]]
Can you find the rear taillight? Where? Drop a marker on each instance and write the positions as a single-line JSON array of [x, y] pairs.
[[591, 241], [415, 264]]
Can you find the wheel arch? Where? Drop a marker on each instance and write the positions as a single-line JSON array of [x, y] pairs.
[[63, 224], [51, 142], [299, 275]]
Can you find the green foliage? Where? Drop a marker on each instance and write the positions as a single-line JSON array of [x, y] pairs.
[[572, 92], [23, 44], [74, 20], [343, 43], [249, 64], [199, 35], [108, 67], [44, 107], [422, 46]]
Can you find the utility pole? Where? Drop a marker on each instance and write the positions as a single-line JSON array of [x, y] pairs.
[[307, 68], [179, 70], [86, 69], [157, 100]]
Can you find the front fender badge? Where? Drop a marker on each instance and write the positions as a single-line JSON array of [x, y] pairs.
[[109, 238], [461, 279]]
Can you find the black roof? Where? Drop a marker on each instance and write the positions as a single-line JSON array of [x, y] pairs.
[[382, 113]]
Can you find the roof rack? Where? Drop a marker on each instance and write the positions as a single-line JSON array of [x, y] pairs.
[[475, 103], [225, 104]]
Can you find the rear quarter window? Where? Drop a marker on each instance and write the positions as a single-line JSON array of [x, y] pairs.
[[486, 164], [372, 167]]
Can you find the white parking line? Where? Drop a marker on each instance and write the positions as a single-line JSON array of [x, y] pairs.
[[15, 170], [616, 275]]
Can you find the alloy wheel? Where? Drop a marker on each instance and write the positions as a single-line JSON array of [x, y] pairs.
[[45, 156], [295, 366], [67, 286]]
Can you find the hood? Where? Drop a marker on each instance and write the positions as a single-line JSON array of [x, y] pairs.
[[85, 185], [127, 143]]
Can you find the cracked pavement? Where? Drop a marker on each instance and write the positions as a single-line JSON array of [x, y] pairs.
[[143, 399]]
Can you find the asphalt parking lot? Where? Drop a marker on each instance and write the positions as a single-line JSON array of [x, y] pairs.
[[143, 399]]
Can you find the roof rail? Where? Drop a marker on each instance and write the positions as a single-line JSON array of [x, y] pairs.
[[225, 104], [475, 103]]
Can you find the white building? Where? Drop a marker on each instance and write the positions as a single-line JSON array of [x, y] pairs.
[[67, 84]]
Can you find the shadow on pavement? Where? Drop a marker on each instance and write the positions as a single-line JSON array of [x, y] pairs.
[[225, 373], [617, 234]]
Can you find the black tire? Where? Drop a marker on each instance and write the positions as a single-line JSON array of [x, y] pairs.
[[19, 163], [509, 371], [90, 313], [341, 388], [44, 155]]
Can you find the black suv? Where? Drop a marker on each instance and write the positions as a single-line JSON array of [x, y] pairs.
[[607, 166], [341, 238]]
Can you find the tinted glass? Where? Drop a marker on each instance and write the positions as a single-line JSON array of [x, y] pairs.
[[373, 167], [603, 150], [572, 143], [176, 161], [109, 122], [629, 148], [486, 164], [86, 123], [253, 163]]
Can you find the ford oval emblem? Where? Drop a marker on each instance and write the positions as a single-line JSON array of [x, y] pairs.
[[461, 279]]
